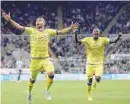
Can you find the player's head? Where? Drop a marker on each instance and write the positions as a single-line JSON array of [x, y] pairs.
[[40, 22], [96, 33]]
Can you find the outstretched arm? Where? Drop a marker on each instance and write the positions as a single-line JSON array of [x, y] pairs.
[[13, 23], [67, 30], [76, 38], [117, 38]]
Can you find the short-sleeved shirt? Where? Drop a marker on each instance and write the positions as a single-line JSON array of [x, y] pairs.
[[39, 41], [95, 49]]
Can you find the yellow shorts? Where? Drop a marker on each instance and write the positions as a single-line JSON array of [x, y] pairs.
[[38, 65], [94, 70]]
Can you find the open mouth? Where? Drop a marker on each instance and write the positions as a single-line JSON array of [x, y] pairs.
[[96, 34]]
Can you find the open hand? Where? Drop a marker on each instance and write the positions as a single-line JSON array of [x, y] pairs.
[[6, 16], [75, 26]]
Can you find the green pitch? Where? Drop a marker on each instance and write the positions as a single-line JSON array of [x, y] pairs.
[[67, 92]]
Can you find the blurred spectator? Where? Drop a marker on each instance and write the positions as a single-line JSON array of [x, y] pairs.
[[70, 55], [123, 23], [26, 14]]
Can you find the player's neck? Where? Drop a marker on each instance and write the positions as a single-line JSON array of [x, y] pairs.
[[95, 39]]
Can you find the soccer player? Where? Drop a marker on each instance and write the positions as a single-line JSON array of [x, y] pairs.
[[39, 38], [95, 57], [19, 66]]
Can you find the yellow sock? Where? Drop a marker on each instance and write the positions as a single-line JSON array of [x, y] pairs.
[[48, 83], [89, 90], [30, 86]]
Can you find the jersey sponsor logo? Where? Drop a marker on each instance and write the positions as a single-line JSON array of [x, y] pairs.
[[96, 45]]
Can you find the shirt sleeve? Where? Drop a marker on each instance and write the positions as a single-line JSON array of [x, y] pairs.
[[51, 32], [106, 41], [28, 30], [84, 41]]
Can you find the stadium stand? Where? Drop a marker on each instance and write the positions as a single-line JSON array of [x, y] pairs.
[[123, 22], [67, 51], [101, 14]]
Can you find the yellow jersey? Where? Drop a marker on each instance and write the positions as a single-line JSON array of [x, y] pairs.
[[39, 41], [95, 49]]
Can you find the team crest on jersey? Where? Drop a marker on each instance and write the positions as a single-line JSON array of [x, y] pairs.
[[45, 36], [99, 44]]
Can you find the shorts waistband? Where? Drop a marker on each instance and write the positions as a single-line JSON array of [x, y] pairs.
[[95, 64], [39, 57]]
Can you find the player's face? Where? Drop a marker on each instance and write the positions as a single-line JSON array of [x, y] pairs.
[[40, 22], [96, 33]]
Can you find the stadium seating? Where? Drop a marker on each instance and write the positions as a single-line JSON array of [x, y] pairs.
[[26, 16], [123, 22], [70, 55], [68, 52], [101, 14]]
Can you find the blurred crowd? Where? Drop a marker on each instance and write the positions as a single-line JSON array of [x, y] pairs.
[[71, 56], [121, 62], [89, 15], [123, 22], [12, 48], [26, 13]]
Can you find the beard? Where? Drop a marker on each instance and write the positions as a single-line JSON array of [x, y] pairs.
[[95, 38]]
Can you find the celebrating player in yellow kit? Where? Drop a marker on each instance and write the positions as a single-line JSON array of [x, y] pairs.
[[95, 57], [39, 38]]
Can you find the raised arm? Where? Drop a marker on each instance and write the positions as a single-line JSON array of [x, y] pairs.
[[13, 23], [117, 38], [67, 30], [76, 38]]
